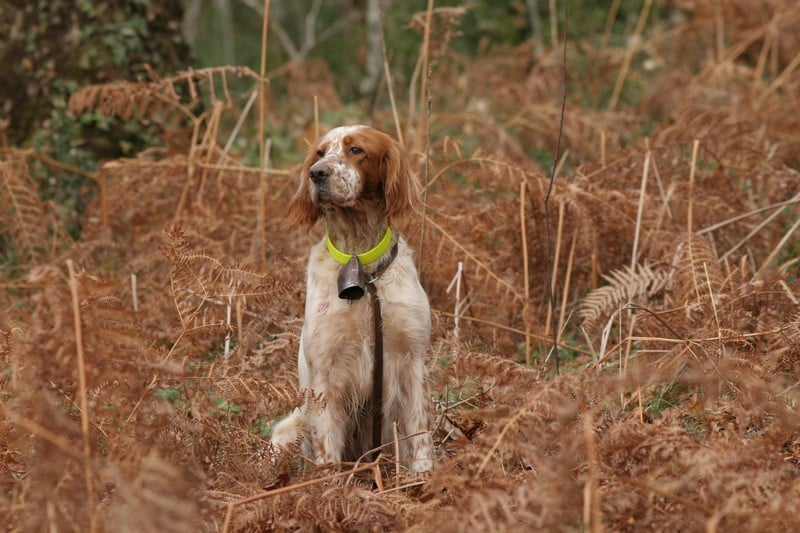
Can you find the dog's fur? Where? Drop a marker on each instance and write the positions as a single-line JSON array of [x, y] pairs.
[[358, 180]]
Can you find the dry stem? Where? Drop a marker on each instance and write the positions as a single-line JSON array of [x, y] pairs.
[[84, 401]]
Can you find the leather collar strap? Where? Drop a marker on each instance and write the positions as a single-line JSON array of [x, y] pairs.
[[377, 364], [377, 373], [367, 257]]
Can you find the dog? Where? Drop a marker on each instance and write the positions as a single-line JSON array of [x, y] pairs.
[[359, 181]]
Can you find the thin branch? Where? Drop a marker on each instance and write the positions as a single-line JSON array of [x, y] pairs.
[[84, 401], [262, 147], [551, 296], [629, 52]]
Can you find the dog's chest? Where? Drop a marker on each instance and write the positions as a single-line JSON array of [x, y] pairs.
[[344, 329]]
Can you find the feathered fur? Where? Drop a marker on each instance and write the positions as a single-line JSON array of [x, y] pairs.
[[358, 180]]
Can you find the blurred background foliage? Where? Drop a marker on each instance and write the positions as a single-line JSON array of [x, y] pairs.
[[52, 48]]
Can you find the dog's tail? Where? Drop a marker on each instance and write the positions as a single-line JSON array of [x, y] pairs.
[[293, 429]]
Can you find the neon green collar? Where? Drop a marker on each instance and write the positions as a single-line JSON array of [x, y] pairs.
[[367, 257]]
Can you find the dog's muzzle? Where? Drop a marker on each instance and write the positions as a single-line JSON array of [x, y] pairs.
[[352, 282]]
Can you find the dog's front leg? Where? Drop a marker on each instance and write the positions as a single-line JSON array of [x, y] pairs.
[[329, 424], [415, 419]]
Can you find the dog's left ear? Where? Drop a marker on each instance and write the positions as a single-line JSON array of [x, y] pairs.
[[401, 190]]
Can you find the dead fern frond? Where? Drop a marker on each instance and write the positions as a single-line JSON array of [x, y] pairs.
[[503, 371], [110, 318], [624, 285], [480, 266], [153, 494], [159, 99], [205, 290], [24, 215], [444, 21], [696, 275]]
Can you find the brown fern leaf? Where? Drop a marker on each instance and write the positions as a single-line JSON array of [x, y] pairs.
[[158, 100], [204, 289], [624, 285], [444, 21], [793, 329], [115, 324], [122, 99], [24, 217], [502, 371], [697, 276], [482, 267], [154, 494]]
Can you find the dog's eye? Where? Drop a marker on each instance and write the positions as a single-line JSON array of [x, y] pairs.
[[355, 150], [320, 153]]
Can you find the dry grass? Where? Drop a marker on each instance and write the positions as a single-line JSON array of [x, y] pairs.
[[143, 364]]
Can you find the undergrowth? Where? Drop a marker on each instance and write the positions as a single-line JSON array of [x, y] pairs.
[[144, 363]]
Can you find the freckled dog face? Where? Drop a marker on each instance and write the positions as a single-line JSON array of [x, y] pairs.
[[355, 167], [336, 167]]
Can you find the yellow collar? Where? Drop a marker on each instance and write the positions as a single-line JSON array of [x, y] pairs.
[[367, 257]]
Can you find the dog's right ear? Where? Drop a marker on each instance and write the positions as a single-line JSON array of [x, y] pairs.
[[302, 211]]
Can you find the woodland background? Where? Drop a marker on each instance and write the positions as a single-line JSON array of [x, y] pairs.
[[151, 293]]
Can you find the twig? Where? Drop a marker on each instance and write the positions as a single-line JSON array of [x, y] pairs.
[[457, 308], [550, 322], [426, 91], [591, 496], [761, 225], [526, 312], [719, 31], [228, 312], [425, 57], [396, 454], [777, 249], [565, 290], [781, 79], [262, 211], [239, 123], [629, 344], [209, 142], [640, 211], [765, 48], [626, 61], [713, 299], [692, 170], [612, 16], [134, 293], [262, 110], [778, 206], [190, 169], [388, 74], [603, 142], [551, 266], [54, 163], [536, 28], [84, 401], [403, 487]]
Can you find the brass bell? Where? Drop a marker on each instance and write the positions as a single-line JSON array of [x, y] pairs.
[[352, 282]]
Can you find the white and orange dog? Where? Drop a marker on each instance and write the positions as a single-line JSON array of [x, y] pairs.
[[358, 180]]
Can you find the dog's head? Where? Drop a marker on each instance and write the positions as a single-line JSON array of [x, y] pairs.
[[357, 168]]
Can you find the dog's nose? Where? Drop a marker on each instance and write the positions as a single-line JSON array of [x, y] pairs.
[[319, 172]]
